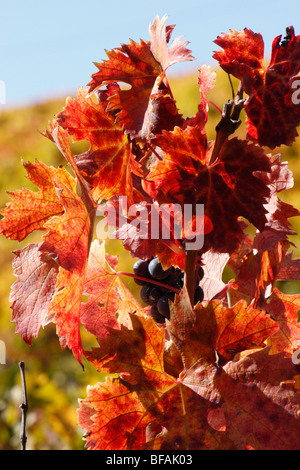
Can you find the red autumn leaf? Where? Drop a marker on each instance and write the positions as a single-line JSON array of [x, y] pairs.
[[180, 409], [31, 293], [263, 259], [242, 52], [278, 227], [206, 82], [61, 138], [123, 424], [29, 211], [289, 269], [135, 65], [137, 352], [284, 308], [93, 296], [228, 189], [260, 261], [272, 115], [108, 302], [257, 274], [225, 331], [108, 164], [68, 220], [68, 235], [259, 410], [146, 107], [147, 230], [178, 413], [64, 310]]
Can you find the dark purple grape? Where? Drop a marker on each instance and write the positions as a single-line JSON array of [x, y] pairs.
[[181, 279], [156, 270], [156, 315], [199, 295], [154, 295], [200, 273], [140, 268], [157, 296], [173, 281], [145, 292], [163, 304]]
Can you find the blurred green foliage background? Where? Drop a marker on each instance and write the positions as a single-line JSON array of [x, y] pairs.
[[54, 379]]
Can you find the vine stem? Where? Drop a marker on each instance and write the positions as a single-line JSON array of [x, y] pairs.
[[152, 281], [229, 122], [24, 407], [190, 273]]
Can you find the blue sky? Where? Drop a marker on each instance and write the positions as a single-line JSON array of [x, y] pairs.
[[48, 49]]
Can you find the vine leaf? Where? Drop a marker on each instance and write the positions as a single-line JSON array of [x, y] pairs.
[[141, 231], [206, 82], [137, 352], [31, 293], [165, 412], [256, 273], [123, 425], [278, 226], [272, 115], [213, 266], [260, 410], [64, 310], [159, 38], [108, 302], [225, 331], [68, 240], [68, 235], [284, 308], [290, 268], [30, 210], [147, 106], [108, 164], [152, 396], [229, 188]]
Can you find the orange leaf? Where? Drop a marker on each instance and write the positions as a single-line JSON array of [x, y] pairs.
[[123, 424], [30, 210], [221, 330], [108, 300], [69, 234], [64, 310], [176, 413], [137, 352], [107, 165]]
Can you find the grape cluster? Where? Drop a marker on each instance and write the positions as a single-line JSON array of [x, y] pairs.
[[158, 296]]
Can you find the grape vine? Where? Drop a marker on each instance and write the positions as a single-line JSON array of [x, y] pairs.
[[192, 370]]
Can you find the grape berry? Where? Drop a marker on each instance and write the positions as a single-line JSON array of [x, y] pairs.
[[158, 296]]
